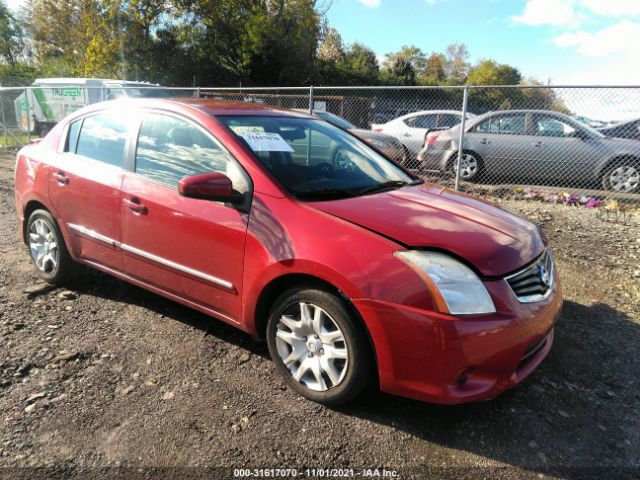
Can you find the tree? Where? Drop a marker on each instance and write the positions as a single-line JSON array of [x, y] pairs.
[[434, 72], [10, 35], [411, 54], [361, 65], [257, 42], [536, 96], [457, 56], [489, 72], [399, 71], [331, 48], [79, 37]]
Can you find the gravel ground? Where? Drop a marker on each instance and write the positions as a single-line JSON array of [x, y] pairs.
[[102, 379]]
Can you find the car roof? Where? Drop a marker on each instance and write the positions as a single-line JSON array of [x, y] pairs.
[[426, 112], [85, 81], [620, 124], [523, 110], [494, 113], [214, 107]]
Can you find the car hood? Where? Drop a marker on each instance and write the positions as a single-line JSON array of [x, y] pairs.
[[492, 239]]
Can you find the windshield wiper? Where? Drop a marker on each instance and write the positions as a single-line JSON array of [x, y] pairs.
[[387, 186], [325, 192]]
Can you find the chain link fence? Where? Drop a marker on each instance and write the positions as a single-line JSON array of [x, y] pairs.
[[10, 88], [574, 145]]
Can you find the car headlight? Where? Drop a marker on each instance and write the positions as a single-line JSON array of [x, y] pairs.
[[456, 288]]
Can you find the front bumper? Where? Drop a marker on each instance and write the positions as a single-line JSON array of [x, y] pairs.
[[440, 358]]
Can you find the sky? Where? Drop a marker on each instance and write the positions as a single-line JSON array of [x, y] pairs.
[[568, 42], [562, 41]]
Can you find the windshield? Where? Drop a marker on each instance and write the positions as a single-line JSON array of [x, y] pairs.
[[336, 120], [315, 160]]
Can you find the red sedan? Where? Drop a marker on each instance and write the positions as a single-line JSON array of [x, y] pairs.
[[355, 271]]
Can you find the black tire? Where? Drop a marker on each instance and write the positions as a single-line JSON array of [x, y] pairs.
[[474, 157], [63, 269], [625, 166], [358, 369], [43, 130], [405, 159]]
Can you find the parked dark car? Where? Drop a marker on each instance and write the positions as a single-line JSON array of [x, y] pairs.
[[537, 144], [387, 144], [630, 130]]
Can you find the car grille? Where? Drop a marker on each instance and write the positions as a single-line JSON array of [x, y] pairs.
[[533, 283]]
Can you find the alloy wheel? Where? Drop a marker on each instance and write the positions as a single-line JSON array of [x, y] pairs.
[[43, 246], [312, 346], [468, 166], [625, 178]]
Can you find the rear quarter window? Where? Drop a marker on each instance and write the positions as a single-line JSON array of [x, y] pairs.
[[72, 137]]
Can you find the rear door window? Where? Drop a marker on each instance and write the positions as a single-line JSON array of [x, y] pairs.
[[422, 121], [103, 138], [449, 120], [513, 124]]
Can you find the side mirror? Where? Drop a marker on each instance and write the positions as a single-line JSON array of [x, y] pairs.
[[213, 186]]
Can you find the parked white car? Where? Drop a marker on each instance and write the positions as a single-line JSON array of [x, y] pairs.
[[411, 129]]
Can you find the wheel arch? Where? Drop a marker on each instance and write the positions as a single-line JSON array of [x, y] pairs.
[[30, 207], [278, 285], [615, 159]]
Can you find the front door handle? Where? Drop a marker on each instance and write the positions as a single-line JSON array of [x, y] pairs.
[[406, 134], [537, 144], [135, 206], [61, 178]]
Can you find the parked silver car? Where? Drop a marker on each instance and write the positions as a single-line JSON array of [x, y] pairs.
[[410, 129], [536, 144]]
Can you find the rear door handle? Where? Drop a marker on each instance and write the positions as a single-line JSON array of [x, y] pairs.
[[135, 206], [485, 141], [61, 178], [537, 144], [406, 134]]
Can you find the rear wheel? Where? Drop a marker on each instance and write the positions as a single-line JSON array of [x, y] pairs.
[[622, 176], [48, 251], [43, 130], [318, 347], [470, 165], [406, 160]]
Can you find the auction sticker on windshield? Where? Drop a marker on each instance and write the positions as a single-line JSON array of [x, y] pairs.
[[266, 142]]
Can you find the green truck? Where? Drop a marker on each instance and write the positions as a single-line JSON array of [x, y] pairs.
[[49, 100]]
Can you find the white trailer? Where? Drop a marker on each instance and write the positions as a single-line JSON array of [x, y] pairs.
[[49, 100]]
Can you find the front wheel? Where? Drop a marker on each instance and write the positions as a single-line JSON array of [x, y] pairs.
[[318, 347], [622, 177], [48, 251]]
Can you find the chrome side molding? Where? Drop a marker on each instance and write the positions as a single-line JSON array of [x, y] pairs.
[[150, 256]]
